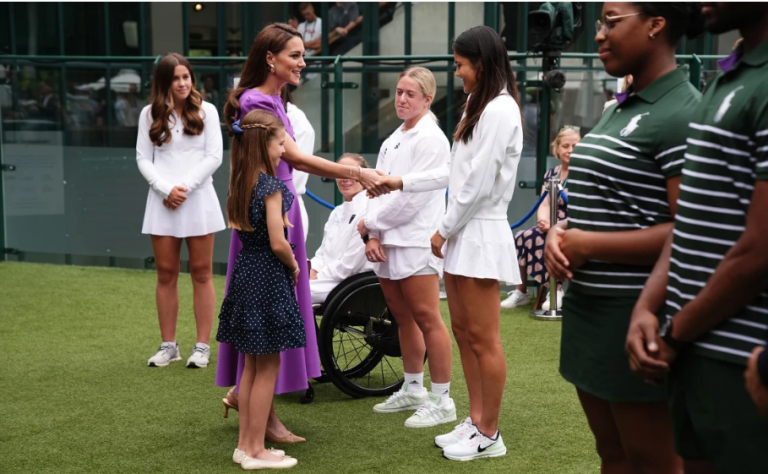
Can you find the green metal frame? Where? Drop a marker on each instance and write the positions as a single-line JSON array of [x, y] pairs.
[[251, 23]]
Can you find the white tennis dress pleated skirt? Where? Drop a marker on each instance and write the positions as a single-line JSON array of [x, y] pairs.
[[199, 215], [484, 248]]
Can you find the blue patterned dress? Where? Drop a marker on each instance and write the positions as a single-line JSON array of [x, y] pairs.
[[260, 314], [530, 242]]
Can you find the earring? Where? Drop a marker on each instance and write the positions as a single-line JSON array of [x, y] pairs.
[[652, 36], [272, 68]]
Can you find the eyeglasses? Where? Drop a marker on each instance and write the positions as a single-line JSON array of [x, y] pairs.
[[610, 22], [570, 127]]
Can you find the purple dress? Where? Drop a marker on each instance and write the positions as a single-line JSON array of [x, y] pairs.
[[297, 366]]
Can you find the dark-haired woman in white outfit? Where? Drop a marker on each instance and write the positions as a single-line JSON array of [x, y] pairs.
[[474, 234]]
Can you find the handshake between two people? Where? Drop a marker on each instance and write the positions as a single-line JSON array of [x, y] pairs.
[[376, 183], [374, 251]]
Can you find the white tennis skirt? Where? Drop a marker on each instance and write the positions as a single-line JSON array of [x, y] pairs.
[[483, 249], [405, 262], [199, 215]]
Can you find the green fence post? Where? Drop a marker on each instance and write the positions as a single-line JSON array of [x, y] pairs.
[[338, 120], [491, 15], [695, 71], [408, 26], [543, 146], [449, 83], [325, 109], [185, 28], [107, 48]]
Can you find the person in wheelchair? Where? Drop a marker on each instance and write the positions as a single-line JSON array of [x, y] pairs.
[[342, 252]]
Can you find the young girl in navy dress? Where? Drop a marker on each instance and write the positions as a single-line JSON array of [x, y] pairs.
[[260, 315]]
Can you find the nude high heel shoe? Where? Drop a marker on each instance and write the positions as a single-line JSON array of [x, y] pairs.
[[230, 401]]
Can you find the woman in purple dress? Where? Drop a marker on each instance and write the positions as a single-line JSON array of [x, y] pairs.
[[277, 58]]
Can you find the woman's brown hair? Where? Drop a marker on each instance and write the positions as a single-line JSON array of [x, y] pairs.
[[486, 51], [248, 158], [162, 101], [272, 38]]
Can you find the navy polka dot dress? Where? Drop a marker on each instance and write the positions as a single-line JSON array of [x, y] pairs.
[[260, 314]]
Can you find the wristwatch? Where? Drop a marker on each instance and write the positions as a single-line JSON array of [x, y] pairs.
[[366, 238], [665, 332]]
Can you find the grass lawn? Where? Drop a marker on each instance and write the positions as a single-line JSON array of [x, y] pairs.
[[76, 395]]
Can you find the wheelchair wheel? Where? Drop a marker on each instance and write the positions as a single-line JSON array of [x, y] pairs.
[[358, 340]]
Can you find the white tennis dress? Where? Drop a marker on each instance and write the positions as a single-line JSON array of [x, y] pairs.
[[188, 161], [481, 179], [405, 222]]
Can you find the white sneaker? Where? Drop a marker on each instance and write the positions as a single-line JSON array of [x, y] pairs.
[[475, 447], [402, 401], [167, 353], [516, 298], [545, 305], [463, 430], [199, 357], [432, 413]]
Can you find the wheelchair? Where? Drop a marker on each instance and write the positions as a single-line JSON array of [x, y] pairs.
[[358, 340]]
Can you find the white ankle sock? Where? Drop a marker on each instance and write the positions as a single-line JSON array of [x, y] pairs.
[[442, 390], [203, 345], [414, 383], [169, 342]]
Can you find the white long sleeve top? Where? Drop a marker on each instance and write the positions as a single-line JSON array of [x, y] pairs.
[[342, 252], [305, 140], [405, 219], [187, 160], [481, 174]]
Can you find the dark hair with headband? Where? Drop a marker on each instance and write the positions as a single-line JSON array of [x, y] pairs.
[[248, 158]]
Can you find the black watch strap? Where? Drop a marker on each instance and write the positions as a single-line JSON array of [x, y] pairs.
[[665, 332], [366, 238]]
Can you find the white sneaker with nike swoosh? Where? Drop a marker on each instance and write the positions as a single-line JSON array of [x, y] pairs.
[[476, 446]]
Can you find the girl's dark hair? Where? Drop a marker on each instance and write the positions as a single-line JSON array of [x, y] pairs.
[[272, 38], [162, 103], [683, 19], [249, 156], [488, 54]]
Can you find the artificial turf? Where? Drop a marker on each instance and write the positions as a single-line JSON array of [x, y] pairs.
[[76, 394]]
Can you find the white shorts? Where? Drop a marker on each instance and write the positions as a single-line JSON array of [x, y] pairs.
[[483, 249], [320, 289], [404, 262]]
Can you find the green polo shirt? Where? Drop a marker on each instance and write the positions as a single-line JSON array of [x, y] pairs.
[[727, 152], [618, 174]]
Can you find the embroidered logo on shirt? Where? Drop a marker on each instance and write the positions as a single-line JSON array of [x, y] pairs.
[[726, 104], [633, 125], [397, 146]]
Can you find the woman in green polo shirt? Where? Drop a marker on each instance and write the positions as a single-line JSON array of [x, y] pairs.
[[623, 188]]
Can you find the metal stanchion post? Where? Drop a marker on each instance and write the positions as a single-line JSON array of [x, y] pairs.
[[554, 313]]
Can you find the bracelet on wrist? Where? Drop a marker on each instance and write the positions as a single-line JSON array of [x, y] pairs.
[[361, 172], [296, 271]]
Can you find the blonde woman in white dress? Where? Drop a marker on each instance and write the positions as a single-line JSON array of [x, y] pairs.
[[474, 235], [179, 147]]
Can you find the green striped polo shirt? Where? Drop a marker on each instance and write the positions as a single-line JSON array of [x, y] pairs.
[[727, 152], [618, 174]]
